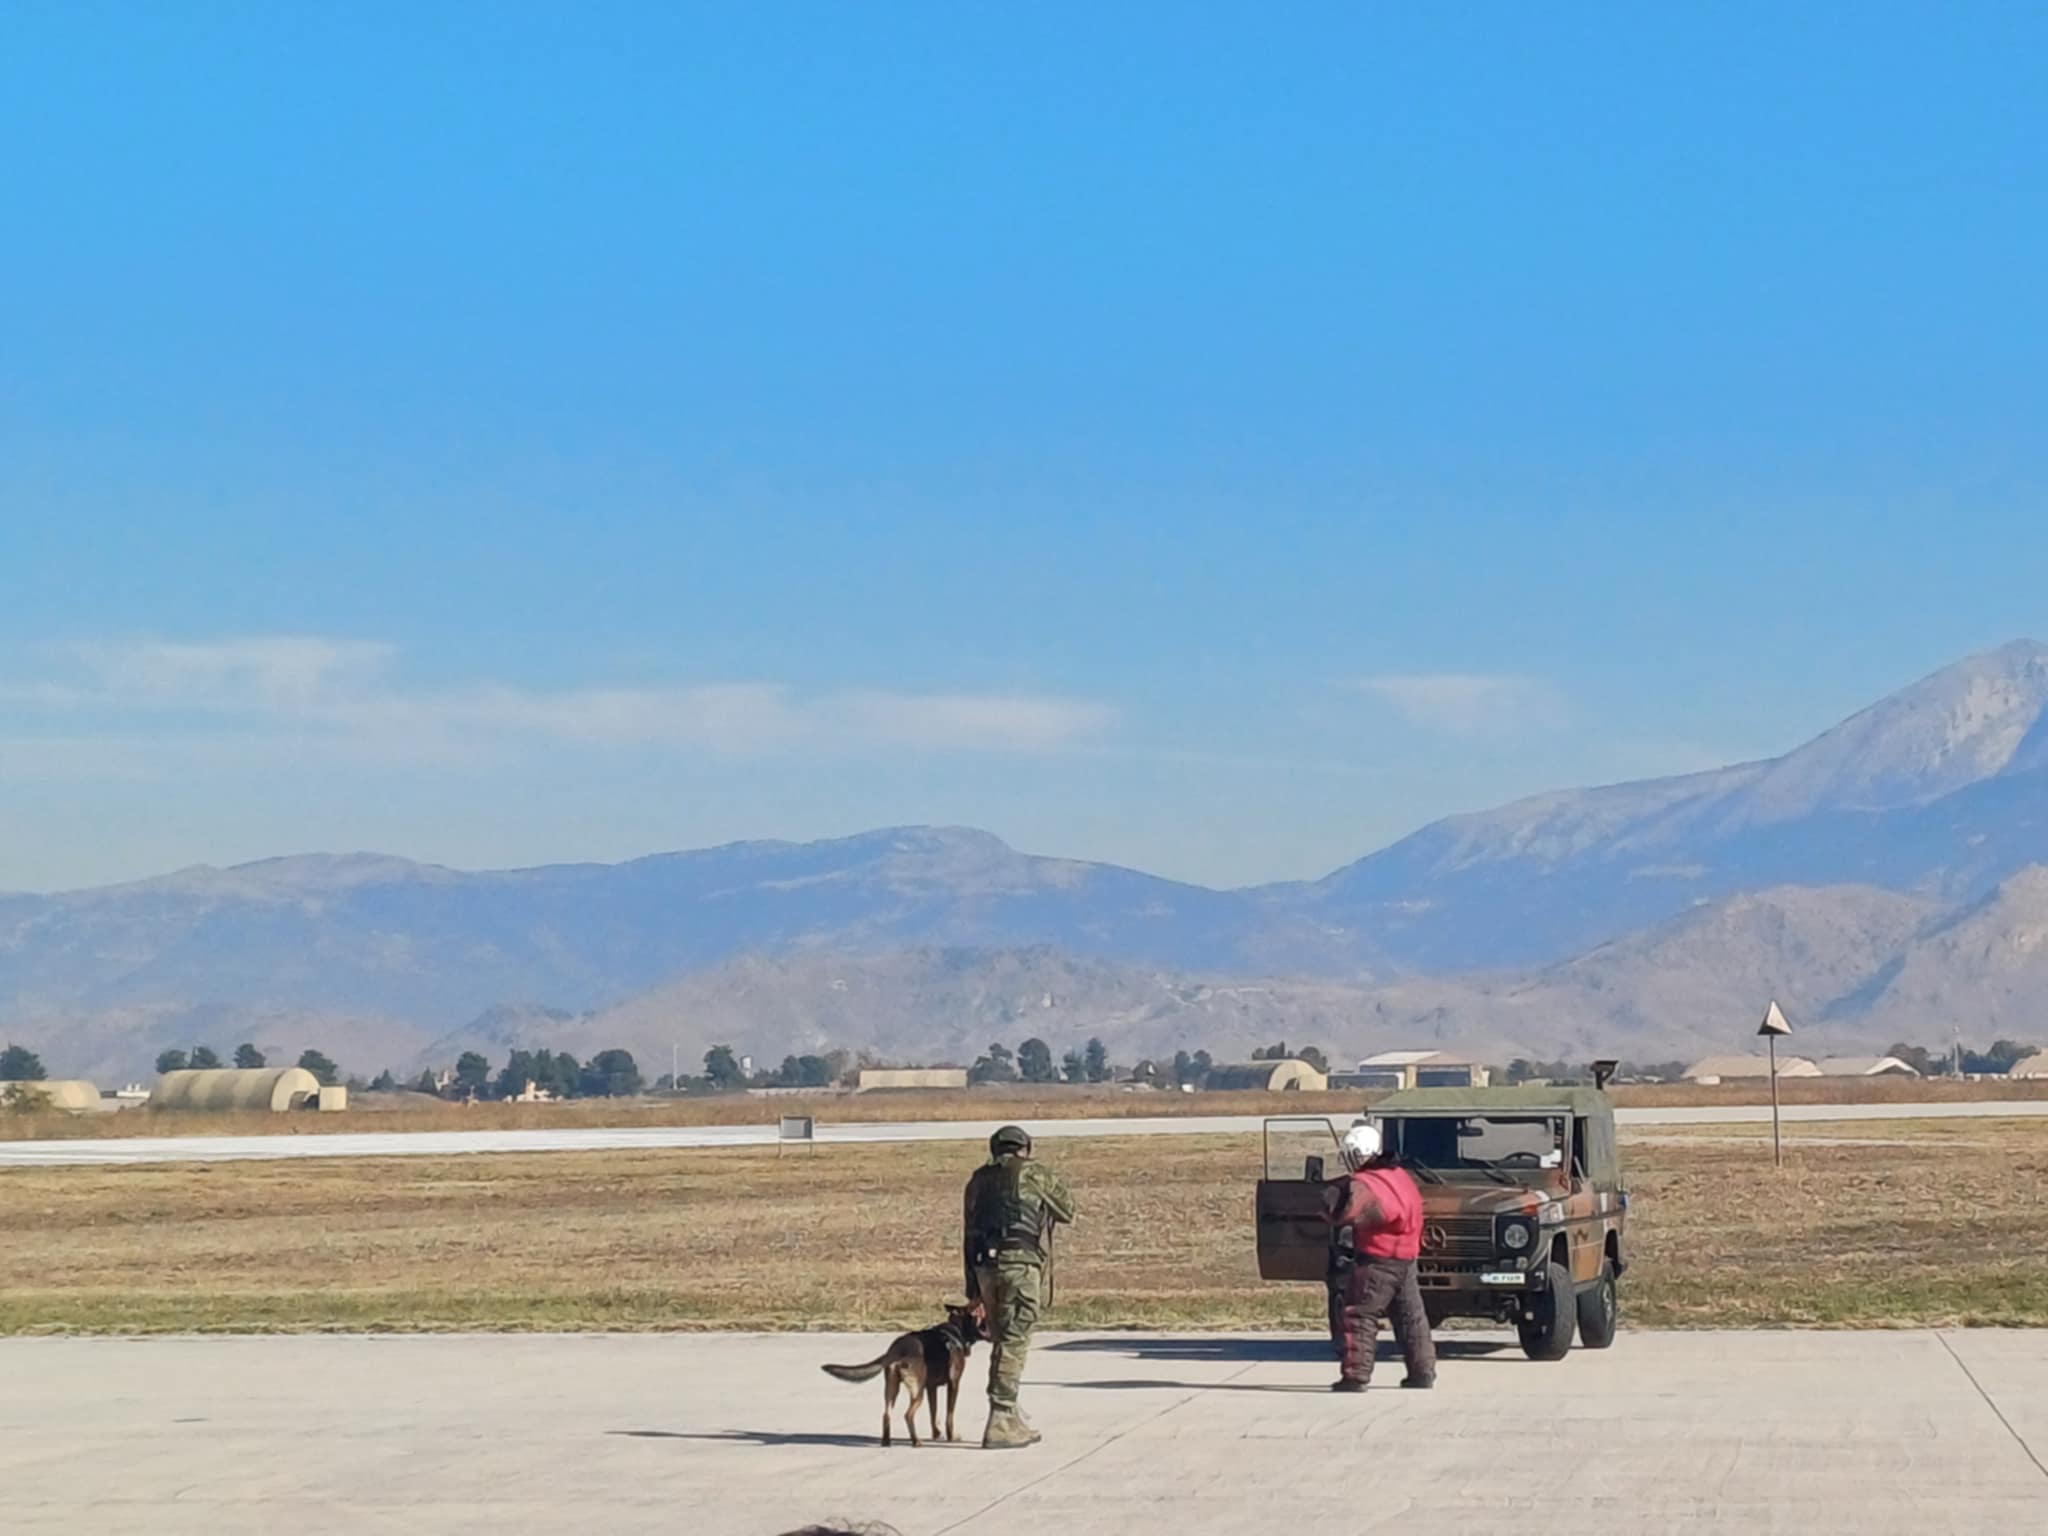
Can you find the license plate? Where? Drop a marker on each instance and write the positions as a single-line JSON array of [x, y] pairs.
[[1504, 1277]]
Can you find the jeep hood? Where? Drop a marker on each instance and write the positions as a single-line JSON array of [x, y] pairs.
[[1480, 1200]]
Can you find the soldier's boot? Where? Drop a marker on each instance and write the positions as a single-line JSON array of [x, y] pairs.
[[1006, 1431], [1347, 1384], [1425, 1381], [1030, 1428]]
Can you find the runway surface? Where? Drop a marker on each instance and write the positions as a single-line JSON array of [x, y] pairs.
[[221, 1149], [726, 1435]]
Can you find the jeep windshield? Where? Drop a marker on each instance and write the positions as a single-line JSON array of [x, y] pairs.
[[1495, 1147]]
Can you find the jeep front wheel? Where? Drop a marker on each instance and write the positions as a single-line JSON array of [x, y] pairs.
[[1599, 1311], [1546, 1329]]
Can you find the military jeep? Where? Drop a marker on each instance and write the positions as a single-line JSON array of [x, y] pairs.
[[1523, 1206]]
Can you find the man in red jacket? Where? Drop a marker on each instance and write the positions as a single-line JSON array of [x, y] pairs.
[[1376, 1270]]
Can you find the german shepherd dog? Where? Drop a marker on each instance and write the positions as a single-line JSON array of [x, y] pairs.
[[923, 1361]]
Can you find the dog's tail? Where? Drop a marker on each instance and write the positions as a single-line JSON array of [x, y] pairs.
[[866, 1372]]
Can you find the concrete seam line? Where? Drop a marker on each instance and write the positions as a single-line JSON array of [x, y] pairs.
[[1971, 1376], [1068, 1466]]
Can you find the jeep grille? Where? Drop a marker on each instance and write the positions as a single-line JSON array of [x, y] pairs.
[[1457, 1237]]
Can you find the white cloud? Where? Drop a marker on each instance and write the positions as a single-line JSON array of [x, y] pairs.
[[1468, 703], [998, 722], [277, 672], [346, 689]]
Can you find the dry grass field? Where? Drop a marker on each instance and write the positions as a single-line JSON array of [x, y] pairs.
[[410, 1112], [1947, 1222]]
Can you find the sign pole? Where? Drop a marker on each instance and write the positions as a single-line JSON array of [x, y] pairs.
[[1775, 1024], [1777, 1145]]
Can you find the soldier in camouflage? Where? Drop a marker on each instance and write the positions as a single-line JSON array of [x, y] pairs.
[[1012, 1206]]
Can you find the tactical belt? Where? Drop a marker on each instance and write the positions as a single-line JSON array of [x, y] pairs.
[[987, 1251]]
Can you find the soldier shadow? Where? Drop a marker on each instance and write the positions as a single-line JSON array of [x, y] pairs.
[[760, 1437], [1309, 1348], [1200, 1347], [1144, 1385]]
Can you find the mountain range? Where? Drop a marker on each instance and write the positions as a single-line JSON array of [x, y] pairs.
[[1888, 879]]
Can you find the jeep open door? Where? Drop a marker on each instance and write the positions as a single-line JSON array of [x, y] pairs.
[[1302, 1157]]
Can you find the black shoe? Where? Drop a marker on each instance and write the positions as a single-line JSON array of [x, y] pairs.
[[1346, 1384], [1423, 1383]]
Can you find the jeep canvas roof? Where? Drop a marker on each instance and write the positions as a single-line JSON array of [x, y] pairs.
[[1495, 1101]]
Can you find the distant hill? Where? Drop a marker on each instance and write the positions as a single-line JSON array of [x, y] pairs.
[[374, 934], [1884, 880], [933, 1006]]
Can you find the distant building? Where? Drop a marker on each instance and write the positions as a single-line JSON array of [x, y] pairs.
[[2034, 1066], [1285, 1076], [872, 1078], [1734, 1069], [1397, 1070], [1865, 1066]]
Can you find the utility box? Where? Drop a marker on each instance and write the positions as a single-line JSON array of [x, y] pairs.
[[799, 1129]]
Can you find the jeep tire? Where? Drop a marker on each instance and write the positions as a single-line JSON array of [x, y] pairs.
[[1547, 1335], [1599, 1311]]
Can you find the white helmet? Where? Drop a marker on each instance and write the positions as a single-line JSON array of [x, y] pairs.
[[1361, 1144]]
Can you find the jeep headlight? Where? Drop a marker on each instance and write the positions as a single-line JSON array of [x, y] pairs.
[[1516, 1233]]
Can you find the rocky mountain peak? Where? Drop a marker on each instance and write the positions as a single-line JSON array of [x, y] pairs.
[[1970, 721]]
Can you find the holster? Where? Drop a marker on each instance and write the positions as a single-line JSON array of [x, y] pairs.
[[1343, 1251]]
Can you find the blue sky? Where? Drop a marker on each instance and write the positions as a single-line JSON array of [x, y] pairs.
[[1217, 440]]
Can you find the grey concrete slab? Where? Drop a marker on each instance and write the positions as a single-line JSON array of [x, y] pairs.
[[727, 1434], [223, 1149]]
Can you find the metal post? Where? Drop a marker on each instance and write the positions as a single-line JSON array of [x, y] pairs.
[[675, 1066], [1777, 1146]]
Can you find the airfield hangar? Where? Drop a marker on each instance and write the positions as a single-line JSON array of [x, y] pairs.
[[73, 1096], [1287, 1076], [277, 1089]]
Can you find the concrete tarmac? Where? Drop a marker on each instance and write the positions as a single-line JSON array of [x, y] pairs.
[[225, 1149], [729, 1435]]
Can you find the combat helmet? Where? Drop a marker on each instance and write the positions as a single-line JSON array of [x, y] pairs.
[[1009, 1138]]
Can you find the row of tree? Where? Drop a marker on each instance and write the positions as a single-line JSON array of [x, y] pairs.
[[611, 1074], [724, 1072], [1032, 1062], [615, 1074], [2000, 1058], [204, 1058]]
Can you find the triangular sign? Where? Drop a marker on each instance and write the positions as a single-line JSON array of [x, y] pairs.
[[1774, 1021]]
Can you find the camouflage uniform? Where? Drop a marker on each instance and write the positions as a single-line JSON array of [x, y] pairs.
[[1011, 1206]]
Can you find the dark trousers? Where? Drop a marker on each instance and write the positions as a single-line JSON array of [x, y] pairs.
[[1376, 1289]]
